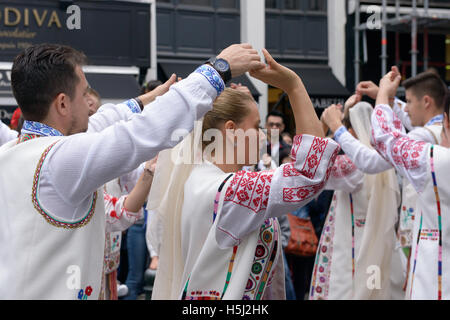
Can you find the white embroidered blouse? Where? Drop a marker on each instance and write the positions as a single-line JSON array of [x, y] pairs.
[[403, 152], [252, 197]]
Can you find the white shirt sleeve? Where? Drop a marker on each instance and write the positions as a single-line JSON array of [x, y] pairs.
[[365, 159], [399, 110], [79, 164], [108, 114], [252, 197], [6, 134], [117, 217], [345, 175], [422, 134], [408, 156]]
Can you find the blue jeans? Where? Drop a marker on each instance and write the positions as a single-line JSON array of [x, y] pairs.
[[137, 261]]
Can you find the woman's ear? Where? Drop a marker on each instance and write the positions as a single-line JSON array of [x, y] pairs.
[[230, 125]]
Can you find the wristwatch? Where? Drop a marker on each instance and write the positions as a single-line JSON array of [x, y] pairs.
[[222, 67]]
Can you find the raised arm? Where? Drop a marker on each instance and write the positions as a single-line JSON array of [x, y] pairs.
[[364, 158], [77, 165], [408, 156], [252, 197], [306, 121], [123, 212], [370, 89], [108, 114]]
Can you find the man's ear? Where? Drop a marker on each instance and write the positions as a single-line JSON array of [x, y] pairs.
[[427, 100], [61, 104]]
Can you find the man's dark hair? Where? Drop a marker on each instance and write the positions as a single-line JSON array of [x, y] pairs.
[[276, 113], [428, 83], [40, 73]]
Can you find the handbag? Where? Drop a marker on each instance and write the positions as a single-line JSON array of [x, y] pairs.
[[303, 240]]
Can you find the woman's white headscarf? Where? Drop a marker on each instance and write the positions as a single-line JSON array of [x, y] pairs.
[[373, 262], [166, 198]]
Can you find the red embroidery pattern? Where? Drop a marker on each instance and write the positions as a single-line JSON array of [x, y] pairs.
[[342, 167], [303, 193], [397, 122], [406, 152], [250, 189], [382, 120], [295, 146], [314, 157]]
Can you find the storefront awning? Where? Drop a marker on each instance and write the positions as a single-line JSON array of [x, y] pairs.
[[114, 87], [320, 81], [185, 68]]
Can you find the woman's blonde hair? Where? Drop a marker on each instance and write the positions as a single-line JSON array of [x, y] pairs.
[[232, 105]]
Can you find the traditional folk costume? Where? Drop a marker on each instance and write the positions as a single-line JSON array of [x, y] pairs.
[[118, 219], [426, 167], [52, 242], [221, 239], [430, 133], [359, 229]]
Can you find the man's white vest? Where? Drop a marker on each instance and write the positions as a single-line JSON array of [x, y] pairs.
[[42, 257]]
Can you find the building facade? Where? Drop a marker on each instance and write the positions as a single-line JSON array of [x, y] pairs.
[[306, 35], [114, 35]]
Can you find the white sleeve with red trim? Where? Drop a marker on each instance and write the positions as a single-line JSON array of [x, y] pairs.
[[408, 156], [366, 159], [345, 175], [117, 217], [252, 197]]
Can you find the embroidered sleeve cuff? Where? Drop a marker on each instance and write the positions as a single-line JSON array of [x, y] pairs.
[[318, 152], [339, 132], [212, 76], [133, 105]]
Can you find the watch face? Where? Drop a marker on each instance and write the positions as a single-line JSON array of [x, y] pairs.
[[221, 65]]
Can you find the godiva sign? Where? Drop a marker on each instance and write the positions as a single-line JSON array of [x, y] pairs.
[[109, 32], [12, 16]]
